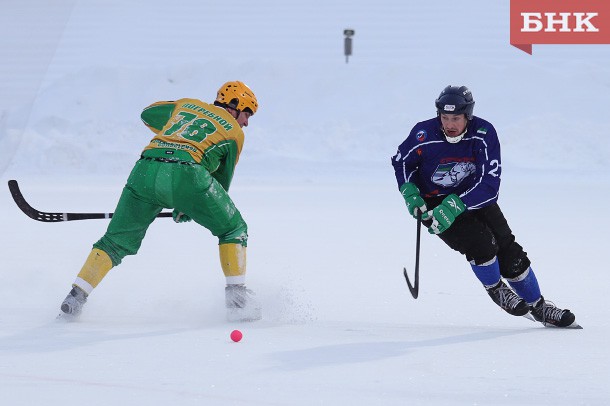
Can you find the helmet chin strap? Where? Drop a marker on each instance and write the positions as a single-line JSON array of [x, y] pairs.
[[455, 140]]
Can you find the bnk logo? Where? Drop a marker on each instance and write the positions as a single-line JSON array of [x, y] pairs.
[[532, 22], [559, 22]]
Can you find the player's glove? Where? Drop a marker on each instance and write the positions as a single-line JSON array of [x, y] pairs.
[[412, 198], [444, 214], [180, 217]]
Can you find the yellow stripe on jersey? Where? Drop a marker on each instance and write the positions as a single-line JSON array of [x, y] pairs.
[[193, 126]]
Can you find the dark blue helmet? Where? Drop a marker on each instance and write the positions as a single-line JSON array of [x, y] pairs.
[[455, 100]]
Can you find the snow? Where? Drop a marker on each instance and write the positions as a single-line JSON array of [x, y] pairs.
[[329, 234]]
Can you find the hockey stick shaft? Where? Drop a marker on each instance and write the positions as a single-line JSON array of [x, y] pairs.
[[55, 217], [414, 288]]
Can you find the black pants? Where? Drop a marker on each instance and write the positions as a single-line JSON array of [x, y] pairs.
[[482, 234]]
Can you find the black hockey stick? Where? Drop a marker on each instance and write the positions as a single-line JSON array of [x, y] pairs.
[[414, 289], [55, 217]]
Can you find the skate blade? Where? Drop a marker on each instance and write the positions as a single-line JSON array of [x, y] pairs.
[[66, 318], [574, 325]]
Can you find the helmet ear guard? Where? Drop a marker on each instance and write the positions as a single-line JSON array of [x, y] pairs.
[[234, 103], [238, 96], [455, 100]]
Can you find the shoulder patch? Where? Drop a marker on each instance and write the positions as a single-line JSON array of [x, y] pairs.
[[482, 130], [421, 135]]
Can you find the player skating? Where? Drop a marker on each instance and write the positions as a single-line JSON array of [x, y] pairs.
[[188, 166], [448, 169]]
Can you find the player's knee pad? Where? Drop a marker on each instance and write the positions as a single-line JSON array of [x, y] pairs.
[[481, 251], [512, 266], [472, 239]]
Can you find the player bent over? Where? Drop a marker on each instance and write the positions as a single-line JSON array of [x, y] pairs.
[[188, 166], [449, 170]]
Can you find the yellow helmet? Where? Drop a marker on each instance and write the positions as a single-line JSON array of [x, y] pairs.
[[238, 96]]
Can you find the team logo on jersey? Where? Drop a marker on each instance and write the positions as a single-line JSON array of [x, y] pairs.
[[421, 135], [453, 173], [482, 130]]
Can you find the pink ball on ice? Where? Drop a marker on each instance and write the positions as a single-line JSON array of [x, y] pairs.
[[236, 335]]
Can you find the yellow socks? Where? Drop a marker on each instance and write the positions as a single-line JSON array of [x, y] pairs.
[[96, 266], [233, 262]]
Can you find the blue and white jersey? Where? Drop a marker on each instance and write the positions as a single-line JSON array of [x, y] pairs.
[[470, 168]]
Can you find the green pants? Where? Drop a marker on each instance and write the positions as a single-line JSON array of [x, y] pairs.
[[154, 185]]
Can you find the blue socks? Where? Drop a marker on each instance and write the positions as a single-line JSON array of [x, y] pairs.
[[488, 273], [526, 286]]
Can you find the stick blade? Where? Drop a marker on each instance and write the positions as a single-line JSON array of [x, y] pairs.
[[32, 212], [28, 210], [414, 289]]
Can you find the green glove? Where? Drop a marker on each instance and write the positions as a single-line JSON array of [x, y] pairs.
[[412, 198], [180, 217], [444, 214]]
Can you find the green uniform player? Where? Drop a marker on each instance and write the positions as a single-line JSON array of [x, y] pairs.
[[187, 166]]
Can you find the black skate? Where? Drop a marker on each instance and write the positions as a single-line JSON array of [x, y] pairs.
[[508, 300], [72, 305], [551, 316], [241, 304]]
